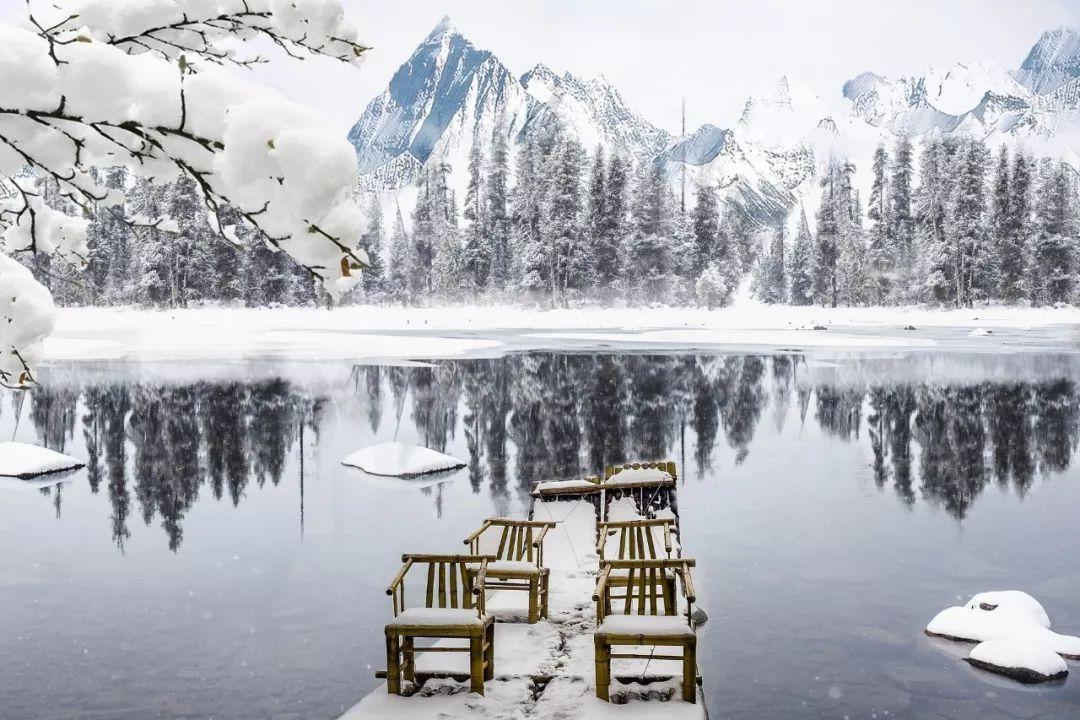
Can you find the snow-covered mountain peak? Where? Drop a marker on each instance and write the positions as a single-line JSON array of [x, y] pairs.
[[1053, 61], [957, 89]]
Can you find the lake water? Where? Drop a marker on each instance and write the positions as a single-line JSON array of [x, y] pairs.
[[215, 559]]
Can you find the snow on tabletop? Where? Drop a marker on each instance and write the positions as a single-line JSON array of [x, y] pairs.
[[27, 461], [553, 486], [401, 460], [1018, 658], [436, 616], [638, 475]]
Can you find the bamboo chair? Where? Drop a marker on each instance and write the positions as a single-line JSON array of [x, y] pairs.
[[453, 608], [519, 559], [649, 618], [638, 540]]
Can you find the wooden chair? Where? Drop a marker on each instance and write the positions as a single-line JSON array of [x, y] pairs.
[[453, 608], [650, 617], [638, 540], [518, 562]]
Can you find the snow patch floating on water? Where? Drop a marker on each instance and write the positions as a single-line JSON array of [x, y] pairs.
[[1014, 633], [401, 460], [1024, 661], [980, 332], [21, 460]]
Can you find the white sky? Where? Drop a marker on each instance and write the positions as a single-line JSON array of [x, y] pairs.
[[655, 51]]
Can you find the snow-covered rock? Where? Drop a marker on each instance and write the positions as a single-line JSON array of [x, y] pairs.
[[401, 460], [1013, 624], [22, 460], [979, 332], [1021, 660]]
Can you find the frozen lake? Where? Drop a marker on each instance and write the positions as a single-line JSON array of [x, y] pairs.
[[216, 560]]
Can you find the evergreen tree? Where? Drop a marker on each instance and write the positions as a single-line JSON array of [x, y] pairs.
[[374, 276], [475, 249], [800, 265], [1056, 240], [571, 264], [772, 283], [706, 219], [901, 217], [496, 205], [615, 223], [1013, 230], [882, 254], [398, 274], [596, 214], [936, 279], [973, 269]]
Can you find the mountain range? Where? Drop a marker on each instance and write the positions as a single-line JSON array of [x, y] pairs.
[[449, 95]]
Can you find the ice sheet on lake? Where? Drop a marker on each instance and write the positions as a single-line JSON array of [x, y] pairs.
[[22, 460], [401, 460], [1013, 626]]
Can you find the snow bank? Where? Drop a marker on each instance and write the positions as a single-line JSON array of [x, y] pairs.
[[21, 460], [1024, 661], [1016, 629], [401, 460]]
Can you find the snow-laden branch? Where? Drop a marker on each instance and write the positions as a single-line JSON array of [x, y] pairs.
[[104, 83]]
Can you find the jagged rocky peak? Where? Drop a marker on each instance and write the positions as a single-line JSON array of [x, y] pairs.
[[700, 147], [1053, 61]]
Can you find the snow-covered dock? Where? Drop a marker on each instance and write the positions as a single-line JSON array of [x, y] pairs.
[[546, 670]]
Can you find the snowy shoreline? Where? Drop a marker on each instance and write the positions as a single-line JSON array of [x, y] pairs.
[[374, 333]]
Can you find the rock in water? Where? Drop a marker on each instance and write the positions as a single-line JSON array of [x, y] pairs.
[[396, 459], [25, 461], [1023, 661]]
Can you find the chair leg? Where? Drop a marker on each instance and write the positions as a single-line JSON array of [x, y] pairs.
[[689, 681], [393, 668], [489, 652], [603, 668], [408, 661], [476, 664], [545, 580], [534, 599]]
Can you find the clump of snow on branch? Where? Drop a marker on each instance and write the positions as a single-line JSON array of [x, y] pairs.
[[137, 83]]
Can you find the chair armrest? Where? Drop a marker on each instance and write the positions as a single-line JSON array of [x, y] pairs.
[[477, 533], [600, 593], [478, 588], [601, 543], [399, 577], [539, 540], [667, 539], [688, 583]]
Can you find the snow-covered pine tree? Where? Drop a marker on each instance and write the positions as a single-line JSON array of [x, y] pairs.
[[901, 217], [882, 253], [1010, 265], [372, 241], [397, 275], [1056, 240], [606, 246], [772, 284], [571, 263], [529, 267], [827, 245], [1014, 263], [800, 265], [711, 287], [935, 277], [496, 204], [475, 247], [596, 216], [648, 257], [146, 200], [974, 271], [706, 219]]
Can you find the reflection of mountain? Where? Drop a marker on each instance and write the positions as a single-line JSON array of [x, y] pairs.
[[524, 418]]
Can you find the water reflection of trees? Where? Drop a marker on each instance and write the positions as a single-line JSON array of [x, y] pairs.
[[159, 446], [155, 448]]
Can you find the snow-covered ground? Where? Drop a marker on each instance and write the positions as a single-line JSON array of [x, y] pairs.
[[374, 333]]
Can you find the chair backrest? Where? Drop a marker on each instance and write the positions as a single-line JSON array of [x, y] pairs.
[[647, 591], [638, 539], [451, 581], [517, 540]]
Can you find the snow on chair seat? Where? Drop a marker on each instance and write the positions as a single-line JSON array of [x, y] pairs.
[[645, 626], [427, 617]]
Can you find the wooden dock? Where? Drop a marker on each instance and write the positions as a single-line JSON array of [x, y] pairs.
[[546, 669]]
